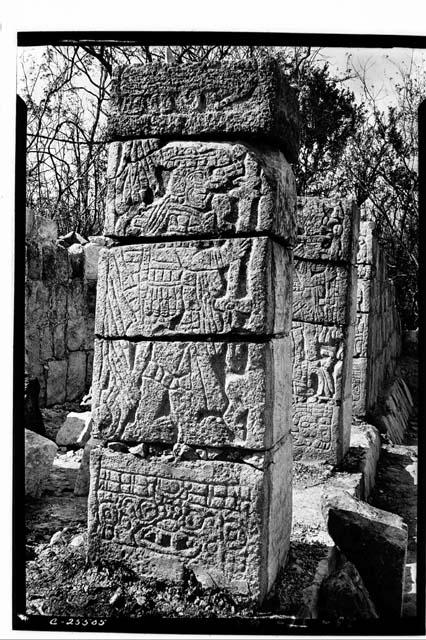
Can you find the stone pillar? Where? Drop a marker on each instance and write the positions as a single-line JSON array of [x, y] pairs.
[[192, 374], [323, 327], [378, 329]]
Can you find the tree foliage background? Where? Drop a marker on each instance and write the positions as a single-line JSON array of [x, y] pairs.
[[349, 147]]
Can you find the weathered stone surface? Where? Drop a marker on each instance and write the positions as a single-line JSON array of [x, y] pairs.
[[91, 257], [322, 358], [200, 393], [323, 293], [364, 454], [197, 188], [246, 99], [343, 595], [56, 382], [321, 431], [75, 430], [82, 482], [327, 229], [228, 522], [76, 380], [33, 418], [375, 541], [199, 287], [45, 230], [39, 455]]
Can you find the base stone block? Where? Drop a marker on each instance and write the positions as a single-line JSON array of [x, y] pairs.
[[228, 522]]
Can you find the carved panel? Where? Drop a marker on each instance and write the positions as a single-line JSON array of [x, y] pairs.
[[319, 353], [199, 287], [201, 393], [158, 517], [248, 99], [197, 188], [327, 229], [322, 293]]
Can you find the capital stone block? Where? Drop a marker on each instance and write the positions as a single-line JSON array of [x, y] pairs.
[[240, 286], [324, 293], [327, 229], [199, 393], [248, 100], [228, 522], [190, 188]]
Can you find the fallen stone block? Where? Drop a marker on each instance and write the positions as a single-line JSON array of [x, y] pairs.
[[76, 430], [39, 455], [227, 522], [364, 454], [343, 595], [375, 541]]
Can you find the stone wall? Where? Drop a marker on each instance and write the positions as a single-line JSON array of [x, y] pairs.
[[323, 327], [192, 367], [378, 329], [60, 294]]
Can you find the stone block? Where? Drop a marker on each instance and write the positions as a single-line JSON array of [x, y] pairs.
[[362, 343], [248, 100], [82, 482], [45, 230], [375, 541], [228, 522], [56, 382], [34, 260], [367, 244], [49, 262], [63, 269], [328, 229], [76, 380], [39, 455], [321, 431], [91, 256], [323, 293], [360, 377], [319, 362], [198, 189], [76, 256], [238, 286], [76, 430], [59, 350], [199, 393], [365, 445]]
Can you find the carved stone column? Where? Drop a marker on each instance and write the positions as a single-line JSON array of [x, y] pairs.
[[192, 366], [324, 314]]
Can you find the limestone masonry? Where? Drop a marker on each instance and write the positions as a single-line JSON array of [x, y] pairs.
[[378, 327], [323, 327], [192, 365], [60, 294]]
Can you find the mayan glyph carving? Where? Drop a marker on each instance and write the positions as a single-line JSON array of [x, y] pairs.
[[322, 291], [248, 100], [323, 330], [198, 393], [197, 188], [202, 287], [215, 518], [327, 229], [192, 366]]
